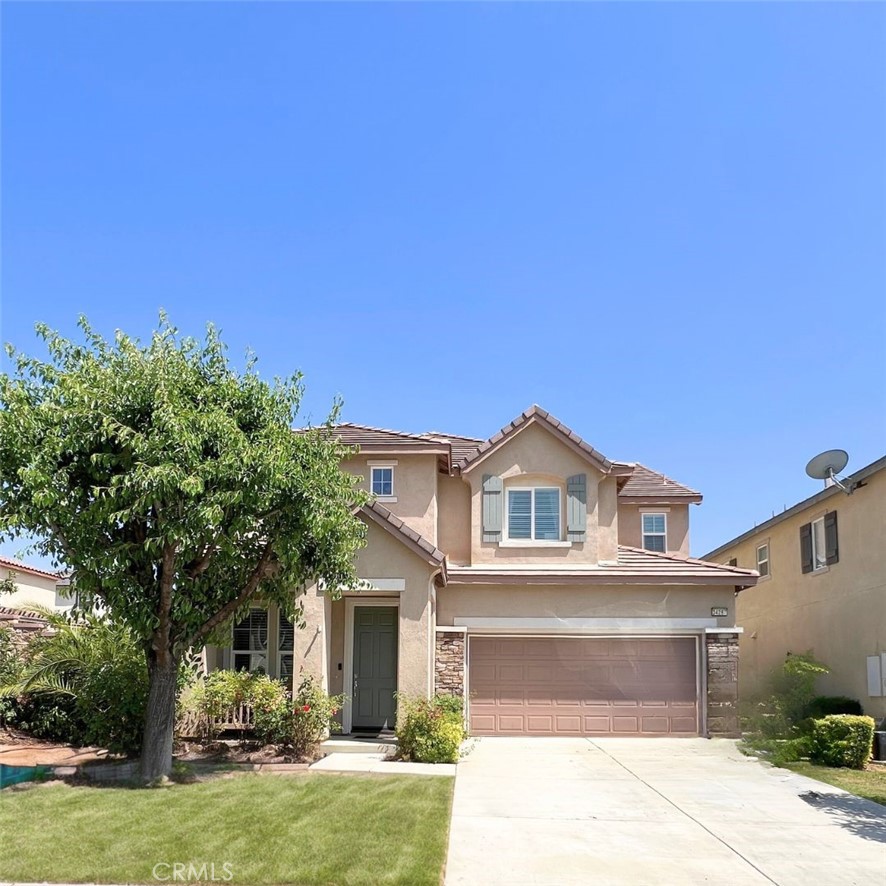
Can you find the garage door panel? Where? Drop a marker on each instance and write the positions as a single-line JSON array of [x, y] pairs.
[[583, 686]]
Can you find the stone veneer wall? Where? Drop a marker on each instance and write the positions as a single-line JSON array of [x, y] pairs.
[[449, 663], [722, 658]]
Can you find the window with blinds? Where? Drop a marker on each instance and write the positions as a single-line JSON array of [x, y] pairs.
[[534, 513], [250, 646], [655, 532]]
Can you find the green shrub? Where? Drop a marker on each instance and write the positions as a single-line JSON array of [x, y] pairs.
[[205, 702], [825, 705], [82, 682], [430, 730], [842, 740], [298, 723], [301, 723]]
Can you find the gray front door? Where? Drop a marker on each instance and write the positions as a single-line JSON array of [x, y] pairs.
[[375, 667]]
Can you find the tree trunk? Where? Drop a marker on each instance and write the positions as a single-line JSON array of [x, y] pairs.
[[156, 759]]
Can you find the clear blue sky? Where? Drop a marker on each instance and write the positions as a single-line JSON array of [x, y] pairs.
[[664, 223]]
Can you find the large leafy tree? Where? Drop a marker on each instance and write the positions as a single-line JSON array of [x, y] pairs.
[[174, 488]]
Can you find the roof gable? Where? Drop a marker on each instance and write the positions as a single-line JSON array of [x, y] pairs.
[[536, 416], [413, 540]]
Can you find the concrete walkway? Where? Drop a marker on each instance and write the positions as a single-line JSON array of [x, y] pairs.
[[653, 812]]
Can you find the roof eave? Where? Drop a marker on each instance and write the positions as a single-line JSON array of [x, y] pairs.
[[614, 577], [663, 499]]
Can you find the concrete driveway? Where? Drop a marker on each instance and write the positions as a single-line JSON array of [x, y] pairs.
[[652, 811]]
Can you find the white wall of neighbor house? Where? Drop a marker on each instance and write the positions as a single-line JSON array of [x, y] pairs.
[[32, 590], [838, 613]]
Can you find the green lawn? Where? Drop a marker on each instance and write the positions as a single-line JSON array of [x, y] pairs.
[[313, 829], [869, 783]]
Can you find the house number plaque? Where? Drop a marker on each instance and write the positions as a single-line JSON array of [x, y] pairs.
[[719, 611]]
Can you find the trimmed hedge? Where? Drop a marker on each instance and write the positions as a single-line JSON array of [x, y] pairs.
[[842, 740], [826, 705]]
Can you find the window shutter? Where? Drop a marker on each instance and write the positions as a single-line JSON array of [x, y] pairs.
[[831, 548], [491, 507], [806, 547], [577, 507]]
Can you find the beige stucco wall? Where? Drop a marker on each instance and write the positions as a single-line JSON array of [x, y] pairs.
[[603, 601], [838, 613], [415, 488], [31, 590], [454, 507], [535, 456], [630, 525], [320, 648]]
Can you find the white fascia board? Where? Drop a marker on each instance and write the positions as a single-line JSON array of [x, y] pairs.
[[603, 623]]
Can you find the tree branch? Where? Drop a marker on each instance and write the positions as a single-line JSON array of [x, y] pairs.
[[260, 571]]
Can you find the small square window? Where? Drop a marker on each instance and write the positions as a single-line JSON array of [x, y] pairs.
[[763, 560], [655, 532], [383, 481]]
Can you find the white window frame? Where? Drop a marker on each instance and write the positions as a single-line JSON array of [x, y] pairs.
[[532, 540], [816, 553], [644, 533], [273, 654], [379, 466], [762, 560], [265, 653]]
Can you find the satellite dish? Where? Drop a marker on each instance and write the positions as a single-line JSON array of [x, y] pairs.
[[825, 465]]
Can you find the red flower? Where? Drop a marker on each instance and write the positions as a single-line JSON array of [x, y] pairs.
[[306, 708]]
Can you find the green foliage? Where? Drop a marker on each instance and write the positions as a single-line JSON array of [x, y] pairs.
[[781, 714], [83, 682], [794, 685], [430, 730], [842, 740], [143, 466], [211, 699], [825, 705], [301, 723], [173, 487]]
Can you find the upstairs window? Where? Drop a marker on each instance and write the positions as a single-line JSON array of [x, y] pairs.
[[763, 560], [819, 547], [655, 532], [534, 514], [383, 481]]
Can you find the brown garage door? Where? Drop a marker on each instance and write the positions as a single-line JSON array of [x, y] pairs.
[[582, 686]]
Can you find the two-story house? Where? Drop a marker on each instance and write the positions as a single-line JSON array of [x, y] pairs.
[[822, 588], [548, 585]]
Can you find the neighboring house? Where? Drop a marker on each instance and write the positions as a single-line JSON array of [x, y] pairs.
[[822, 588], [547, 584], [33, 587]]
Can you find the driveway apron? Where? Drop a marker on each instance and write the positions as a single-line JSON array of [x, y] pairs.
[[652, 811]]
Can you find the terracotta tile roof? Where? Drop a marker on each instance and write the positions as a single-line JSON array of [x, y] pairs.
[[646, 483], [357, 435], [17, 566], [668, 564], [462, 447], [536, 414], [634, 566], [417, 542]]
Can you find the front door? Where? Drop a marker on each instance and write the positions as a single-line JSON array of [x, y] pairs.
[[375, 667]]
